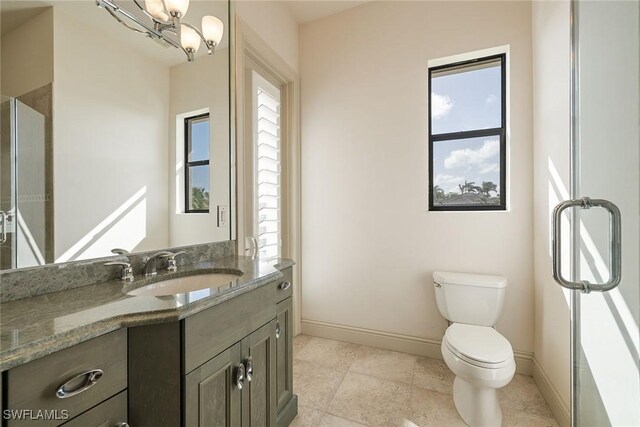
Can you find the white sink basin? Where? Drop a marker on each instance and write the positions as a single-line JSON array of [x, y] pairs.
[[185, 284]]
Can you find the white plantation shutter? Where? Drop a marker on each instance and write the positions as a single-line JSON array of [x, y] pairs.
[[268, 169]]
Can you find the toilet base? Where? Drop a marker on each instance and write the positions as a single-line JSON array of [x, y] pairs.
[[478, 406]]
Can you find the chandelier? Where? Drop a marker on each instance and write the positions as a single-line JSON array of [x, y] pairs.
[[165, 17]]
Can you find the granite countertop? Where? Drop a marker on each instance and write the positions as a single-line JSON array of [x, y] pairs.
[[34, 327]]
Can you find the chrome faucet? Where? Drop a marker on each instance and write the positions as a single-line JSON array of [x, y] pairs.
[[170, 263], [151, 266], [127, 271]]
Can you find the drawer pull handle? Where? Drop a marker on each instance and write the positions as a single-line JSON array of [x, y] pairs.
[[277, 329], [284, 286], [71, 387], [249, 369], [240, 376]]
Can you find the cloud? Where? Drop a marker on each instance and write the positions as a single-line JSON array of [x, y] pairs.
[[448, 182], [441, 105], [488, 168], [469, 157]]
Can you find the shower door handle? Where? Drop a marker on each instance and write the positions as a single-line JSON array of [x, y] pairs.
[[615, 245], [3, 227]]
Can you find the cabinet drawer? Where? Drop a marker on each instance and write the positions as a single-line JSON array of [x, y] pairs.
[[112, 413], [212, 331], [285, 285], [34, 386]]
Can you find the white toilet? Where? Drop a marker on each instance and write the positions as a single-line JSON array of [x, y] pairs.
[[476, 353]]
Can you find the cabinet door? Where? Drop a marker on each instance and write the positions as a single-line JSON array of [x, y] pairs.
[[259, 394], [284, 353], [212, 396]]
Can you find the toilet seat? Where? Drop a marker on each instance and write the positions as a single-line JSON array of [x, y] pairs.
[[480, 346]]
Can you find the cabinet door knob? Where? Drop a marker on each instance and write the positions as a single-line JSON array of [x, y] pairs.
[[240, 376], [122, 424], [277, 329], [249, 369], [79, 383], [284, 286]]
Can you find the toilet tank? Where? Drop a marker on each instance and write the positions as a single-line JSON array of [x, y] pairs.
[[474, 299]]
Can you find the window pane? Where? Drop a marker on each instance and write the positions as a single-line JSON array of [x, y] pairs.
[[198, 148], [466, 98], [199, 187], [466, 172]]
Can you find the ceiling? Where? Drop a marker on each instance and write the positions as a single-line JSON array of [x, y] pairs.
[[16, 13], [310, 10]]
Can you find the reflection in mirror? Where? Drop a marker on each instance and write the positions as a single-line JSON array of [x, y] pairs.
[[111, 138]]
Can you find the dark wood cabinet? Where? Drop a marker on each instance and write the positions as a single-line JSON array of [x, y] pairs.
[[110, 413], [284, 353], [64, 386], [229, 365], [211, 393], [217, 394], [259, 394]]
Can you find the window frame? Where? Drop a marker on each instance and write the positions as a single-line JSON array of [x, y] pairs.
[[188, 165], [501, 132]]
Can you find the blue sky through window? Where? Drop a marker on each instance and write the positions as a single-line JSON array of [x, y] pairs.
[[199, 140], [469, 99]]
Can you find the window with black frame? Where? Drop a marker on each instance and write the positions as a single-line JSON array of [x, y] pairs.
[[197, 156], [467, 135]]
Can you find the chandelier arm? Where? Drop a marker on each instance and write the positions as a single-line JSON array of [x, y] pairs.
[[112, 7], [117, 18]]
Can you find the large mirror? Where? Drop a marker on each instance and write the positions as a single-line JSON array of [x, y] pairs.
[[112, 137]]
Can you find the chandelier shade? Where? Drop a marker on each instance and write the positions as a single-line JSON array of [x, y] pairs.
[[156, 9], [177, 7], [212, 29]]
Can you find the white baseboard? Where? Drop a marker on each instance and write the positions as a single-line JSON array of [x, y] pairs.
[[397, 342], [551, 395]]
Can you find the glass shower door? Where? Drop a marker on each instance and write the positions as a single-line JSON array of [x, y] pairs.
[[23, 186], [605, 214], [7, 183]]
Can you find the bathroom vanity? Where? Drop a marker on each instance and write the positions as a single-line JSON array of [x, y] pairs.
[[205, 340], [227, 365], [99, 356]]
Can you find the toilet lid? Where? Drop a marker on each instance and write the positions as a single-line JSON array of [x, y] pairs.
[[478, 343]]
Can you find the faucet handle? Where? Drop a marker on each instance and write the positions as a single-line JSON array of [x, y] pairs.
[[170, 264], [119, 251], [127, 271], [162, 254]]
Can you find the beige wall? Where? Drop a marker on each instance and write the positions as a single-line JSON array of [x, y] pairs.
[[27, 55], [188, 94], [273, 21], [111, 144], [551, 77], [369, 245]]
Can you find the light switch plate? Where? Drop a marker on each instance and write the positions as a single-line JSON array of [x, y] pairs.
[[223, 216]]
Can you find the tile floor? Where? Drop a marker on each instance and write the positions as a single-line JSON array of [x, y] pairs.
[[341, 384]]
